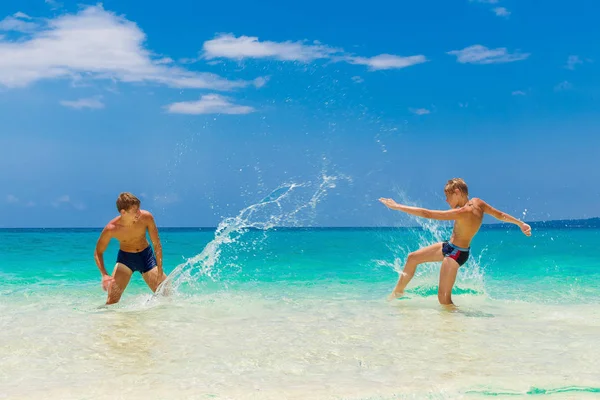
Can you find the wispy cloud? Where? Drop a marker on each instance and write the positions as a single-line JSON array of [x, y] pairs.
[[419, 111], [229, 46], [387, 61], [168, 198], [66, 200], [564, 85], [209, 104], [261, 81], [12, 199], [357, 79], [19, 22], [478, 54], [53, 4], [519, 93], [93, 103], [572, 61], [501, 12], [238, 48], [484, 1], [97, 44]]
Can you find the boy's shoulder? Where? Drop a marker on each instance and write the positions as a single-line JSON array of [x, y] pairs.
[[112, 224], [146, 217], [478, 202]]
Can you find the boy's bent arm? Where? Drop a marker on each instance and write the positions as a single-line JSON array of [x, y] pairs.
[[153, 231], [502, 216], [101, 246]]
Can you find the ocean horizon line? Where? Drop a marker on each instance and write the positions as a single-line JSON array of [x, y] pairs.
[[563, 223]]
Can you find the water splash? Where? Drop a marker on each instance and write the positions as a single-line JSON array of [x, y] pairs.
[[284, 206]]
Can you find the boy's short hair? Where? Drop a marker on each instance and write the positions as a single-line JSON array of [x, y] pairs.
[[127, 200], [456, 183]]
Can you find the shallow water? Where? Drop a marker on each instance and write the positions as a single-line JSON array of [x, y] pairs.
[[296, 314]]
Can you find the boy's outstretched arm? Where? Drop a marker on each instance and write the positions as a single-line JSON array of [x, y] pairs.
[[423, 212], [502, 216]]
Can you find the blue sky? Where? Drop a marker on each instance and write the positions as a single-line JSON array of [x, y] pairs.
[[203, 108]]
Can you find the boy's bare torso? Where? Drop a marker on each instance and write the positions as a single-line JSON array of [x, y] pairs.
[[132, 238], [467, 226]]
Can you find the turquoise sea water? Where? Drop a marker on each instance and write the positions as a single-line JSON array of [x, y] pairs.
[[275, 313], [302, 314]]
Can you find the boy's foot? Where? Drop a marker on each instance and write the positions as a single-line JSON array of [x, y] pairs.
[[395, 295]]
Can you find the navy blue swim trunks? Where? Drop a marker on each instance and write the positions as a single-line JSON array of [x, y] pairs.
[[458, 254], [142, 261]]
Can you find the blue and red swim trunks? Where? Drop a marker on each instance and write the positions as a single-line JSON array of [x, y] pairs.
[[458, 254]]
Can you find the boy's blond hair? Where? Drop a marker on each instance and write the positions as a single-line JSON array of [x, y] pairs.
[[456, 183], [127, 200]]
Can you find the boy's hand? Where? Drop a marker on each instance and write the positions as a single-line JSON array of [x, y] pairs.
[[390, 203], [107, 280], [526, 229]]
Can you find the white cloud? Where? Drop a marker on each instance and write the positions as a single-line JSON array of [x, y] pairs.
[[387, 61], [168, 198], [564, 85], [484, 1], [66, 199], [260, 82], [97, 44], [572, 61], [478, 54], [93, 103], [238, 48], [501, 12], [21, 15], [209, 104], [19, 22], [419, 111], [229, 46], [12, 199], [61, 200], [164, 60], [357, 79], [53, 4], [518, 93]]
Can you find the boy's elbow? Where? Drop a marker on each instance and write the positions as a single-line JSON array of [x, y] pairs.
[[425, 214]]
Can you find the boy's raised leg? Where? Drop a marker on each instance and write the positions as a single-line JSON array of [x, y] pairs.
[[431, 253]]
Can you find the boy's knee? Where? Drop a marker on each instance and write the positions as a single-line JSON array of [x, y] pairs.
[[412, 257]]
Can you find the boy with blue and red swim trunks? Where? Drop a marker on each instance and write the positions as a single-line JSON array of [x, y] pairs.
[[467, 215]]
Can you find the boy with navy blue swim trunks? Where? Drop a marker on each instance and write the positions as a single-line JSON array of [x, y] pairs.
[[135, 253], [467, 215]]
